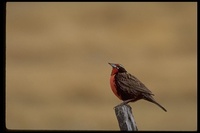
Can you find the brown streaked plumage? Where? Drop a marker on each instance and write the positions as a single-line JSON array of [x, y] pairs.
[[128, 88]]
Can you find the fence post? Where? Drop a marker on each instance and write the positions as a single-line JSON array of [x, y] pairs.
[[125, 118]]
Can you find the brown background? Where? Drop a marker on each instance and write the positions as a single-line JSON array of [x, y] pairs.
[[57, 72]]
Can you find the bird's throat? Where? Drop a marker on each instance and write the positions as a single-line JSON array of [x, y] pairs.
[[114, 71]]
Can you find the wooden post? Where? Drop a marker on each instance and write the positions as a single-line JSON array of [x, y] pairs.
[[125, 118]]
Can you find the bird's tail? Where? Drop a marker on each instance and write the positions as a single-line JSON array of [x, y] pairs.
[[151, 99]]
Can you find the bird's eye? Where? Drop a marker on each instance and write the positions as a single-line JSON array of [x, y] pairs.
[[117, 67]]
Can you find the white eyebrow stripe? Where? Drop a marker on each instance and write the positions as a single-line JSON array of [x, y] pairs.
[[121, 65]]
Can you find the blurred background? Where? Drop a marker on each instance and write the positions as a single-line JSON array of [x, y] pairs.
[[57, 72]]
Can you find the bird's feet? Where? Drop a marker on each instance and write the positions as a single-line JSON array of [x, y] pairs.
[[121, 104], [124, 102]]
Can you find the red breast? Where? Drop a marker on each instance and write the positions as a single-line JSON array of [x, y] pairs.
[[112, 82]]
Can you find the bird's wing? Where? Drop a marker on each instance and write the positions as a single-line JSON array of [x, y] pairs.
[[130, 84]]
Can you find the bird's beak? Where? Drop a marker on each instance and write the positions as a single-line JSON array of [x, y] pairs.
[[112, 64]]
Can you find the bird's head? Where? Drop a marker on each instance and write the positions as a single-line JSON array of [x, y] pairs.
[[117, 68]]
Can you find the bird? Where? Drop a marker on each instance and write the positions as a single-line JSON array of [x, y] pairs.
[[128, 88]]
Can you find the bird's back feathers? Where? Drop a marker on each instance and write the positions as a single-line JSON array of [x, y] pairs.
[[129, 86]]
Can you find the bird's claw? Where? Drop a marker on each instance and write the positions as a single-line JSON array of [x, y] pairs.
[[121, 104]]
